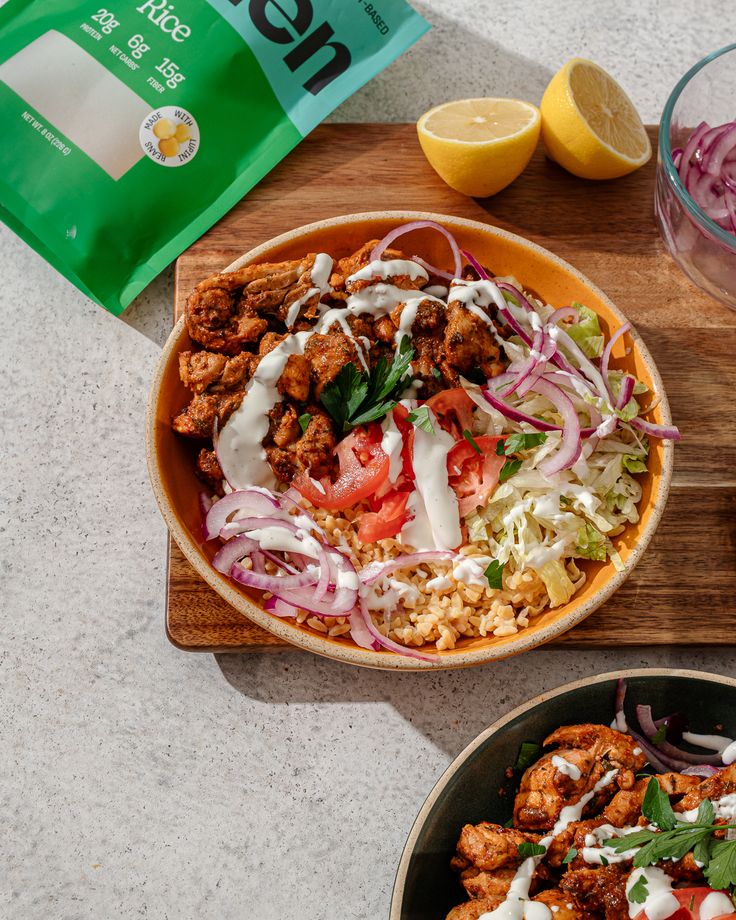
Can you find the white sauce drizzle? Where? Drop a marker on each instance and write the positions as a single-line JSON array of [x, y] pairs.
[[239, 449], [660, 903], [516, 904], [436, 521], [729, 754], [564, 766], [391, 444], [320, 276], [470, 570], [724, 807], [715, 904], [389, 268], [406, 320], [710, 742], [595, 854]]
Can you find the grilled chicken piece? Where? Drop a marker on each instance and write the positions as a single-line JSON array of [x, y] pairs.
[[218, 383], [715, 787], [488, 856], [289, 451], [232, 309], [315, 450], [573, 836], [283, 426], [593, 750], [601, 891], [472, 910], [563, 906], [624, 809], [470, 342], [208, 469], [359, 259], [327, 355], [294, 381]]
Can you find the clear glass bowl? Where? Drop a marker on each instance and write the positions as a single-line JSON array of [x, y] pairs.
[[704, 251]]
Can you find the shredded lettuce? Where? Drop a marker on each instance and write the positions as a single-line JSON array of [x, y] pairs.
[[634, 464], [591, 543], [557, 582], [587, 332]]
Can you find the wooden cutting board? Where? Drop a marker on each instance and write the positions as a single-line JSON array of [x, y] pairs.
[[684, 590]]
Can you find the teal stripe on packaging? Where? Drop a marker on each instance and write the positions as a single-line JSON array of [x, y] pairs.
[[304, 36]]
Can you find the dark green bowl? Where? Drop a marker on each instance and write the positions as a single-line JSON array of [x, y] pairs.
[[468, 791]]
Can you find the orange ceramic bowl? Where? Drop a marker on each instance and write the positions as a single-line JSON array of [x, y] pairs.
[[171, 459]]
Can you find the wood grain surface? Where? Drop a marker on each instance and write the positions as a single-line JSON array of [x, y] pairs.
[[684, 590]]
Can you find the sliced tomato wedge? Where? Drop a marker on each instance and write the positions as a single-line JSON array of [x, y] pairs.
[[474, 476], [363, 469], [691, 900], [453, 409], [388, 520], [401, 418]]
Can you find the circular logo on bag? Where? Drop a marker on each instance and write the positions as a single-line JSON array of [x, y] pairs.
[[169, 136]]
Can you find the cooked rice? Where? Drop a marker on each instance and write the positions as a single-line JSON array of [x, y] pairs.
[[431, 614]]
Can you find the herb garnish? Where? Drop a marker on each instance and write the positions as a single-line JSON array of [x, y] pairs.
[[436, 374], [660, 735], [473, 443], [531, 849], [304, 421], [509, 469], [639, 891], [420, 418], [675, 838], [356, 397], [520, 440], [569, 856], [528, 754], [494, 574]]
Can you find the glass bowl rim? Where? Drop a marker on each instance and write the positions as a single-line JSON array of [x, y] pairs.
[[665, 152]]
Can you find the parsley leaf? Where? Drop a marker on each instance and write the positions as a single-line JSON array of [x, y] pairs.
[[639, 891], [604, 861], [436, 374], [569, 856], [420, 418], [494, 574], [531, 849], [656, 807], [357, 397], [528, 754], [522, 440], [721, 868], [473, 443], [509, 469], [660, 735], [304, 421]]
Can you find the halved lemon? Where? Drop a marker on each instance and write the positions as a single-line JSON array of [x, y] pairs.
[[589, 124], [479, 146]]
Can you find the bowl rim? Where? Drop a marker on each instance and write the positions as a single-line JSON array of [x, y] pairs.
[[459, 761], [353, 654], [665, 152]]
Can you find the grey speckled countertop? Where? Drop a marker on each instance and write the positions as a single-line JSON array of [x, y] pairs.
[[138, 781]]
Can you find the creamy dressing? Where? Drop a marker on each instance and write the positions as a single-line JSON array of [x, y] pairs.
[[436, 522], [729, 754], [724, 807], [517, 904], [595, 853], [320, 276], [470, 570], [391, 445], [389, 268], [710, 742], [239, 449], [408, 315], [715, 904], [660, 903], [439, 583], [564, 766]]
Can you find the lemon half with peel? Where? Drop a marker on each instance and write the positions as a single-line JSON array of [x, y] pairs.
[[479, 146], [589, 124]]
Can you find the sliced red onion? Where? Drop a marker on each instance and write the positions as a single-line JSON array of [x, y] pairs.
[[516, 415], [325, 573], [701, 770], [375, 570], [690, 149], [480, 271], [292, 499], [627, 391], [665, 749], [585, 367], [535, 358], [564, 313], [250, 501], [606, 357], [280, 608], [387, 643], [205, 503], [233, 551], [618, 705], [276, 584], [571, 444], [656, 758], [360, 633], [433, 270], [381, 246], [665, 432]]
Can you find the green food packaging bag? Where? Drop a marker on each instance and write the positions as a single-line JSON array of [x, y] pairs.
[[130, 128]]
